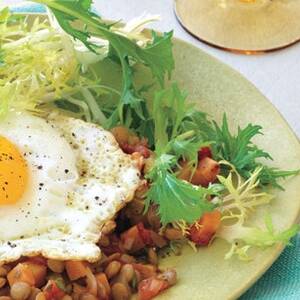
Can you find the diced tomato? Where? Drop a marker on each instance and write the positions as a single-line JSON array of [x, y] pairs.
[[143, 150], [136, 238], [132, 240], [127, 148], [52, 291], [158, 240], [111, 249], [114, 246], [204, 152], [131, 143], [151, 287], [38, 260], [203, 231], [145, 234], [130, 149]]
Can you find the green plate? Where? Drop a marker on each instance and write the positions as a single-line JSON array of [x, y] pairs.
[[216, 88]]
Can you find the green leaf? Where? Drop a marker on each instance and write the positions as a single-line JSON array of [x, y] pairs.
[[238, 149], [157, 55], [177, 199], [271, 175], [169, 108]]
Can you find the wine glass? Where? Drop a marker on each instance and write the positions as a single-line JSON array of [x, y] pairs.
[[246, 26]]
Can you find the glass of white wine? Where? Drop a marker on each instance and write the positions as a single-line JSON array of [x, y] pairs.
[[246, 26]]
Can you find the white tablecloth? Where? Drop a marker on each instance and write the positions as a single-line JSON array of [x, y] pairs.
[[276, 75]]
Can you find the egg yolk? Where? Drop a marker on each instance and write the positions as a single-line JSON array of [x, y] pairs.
[[13, 173]]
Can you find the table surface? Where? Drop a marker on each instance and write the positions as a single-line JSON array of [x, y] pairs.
[[276, 75]]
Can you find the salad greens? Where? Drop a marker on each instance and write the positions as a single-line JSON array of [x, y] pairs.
[[243, 238], [156, 55], [241, 152], [174, 128], [28, 77]]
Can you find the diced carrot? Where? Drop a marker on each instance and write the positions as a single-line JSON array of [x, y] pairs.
[[21, 272], [146, 271], [76, 269], [101, 278], [203, 231], [206, 172], [39, 272]]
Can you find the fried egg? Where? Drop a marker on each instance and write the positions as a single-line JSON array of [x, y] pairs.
[[61, 179]]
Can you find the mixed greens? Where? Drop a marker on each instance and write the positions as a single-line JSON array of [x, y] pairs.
[[54, 66]]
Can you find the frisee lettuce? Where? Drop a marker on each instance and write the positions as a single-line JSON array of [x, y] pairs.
[[37, 68], [243, 238], [240, 198], [239, 150], [156, 55]]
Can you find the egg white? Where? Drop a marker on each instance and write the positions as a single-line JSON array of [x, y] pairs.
[[78, 179]]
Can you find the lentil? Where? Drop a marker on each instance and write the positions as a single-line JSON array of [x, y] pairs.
[[109, 227], [56, 266], [66, 297], [126, 273], [104, 241], [20, 291], [91, 282], [34, 293], [112, 269], [152, 257], [2, 282], [173, 234], [120, 291], [87, 297], [127, 259], [101, 291], [3, 271]]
